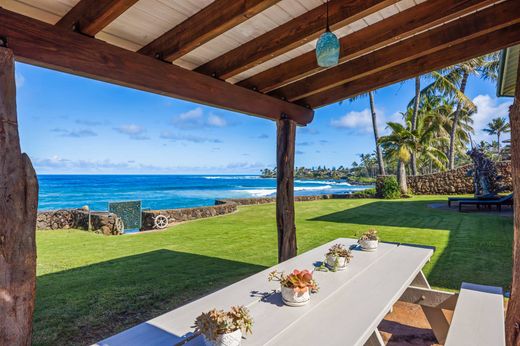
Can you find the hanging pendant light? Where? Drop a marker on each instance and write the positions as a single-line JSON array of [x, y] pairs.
[[327, 47]]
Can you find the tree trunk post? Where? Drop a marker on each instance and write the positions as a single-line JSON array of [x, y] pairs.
[[414, 119], [401, 177], [285, 150], [453, 134], [18, 203], [513, 308], [379, 153]]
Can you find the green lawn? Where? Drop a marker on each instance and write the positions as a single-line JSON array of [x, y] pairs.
[[91, 286]]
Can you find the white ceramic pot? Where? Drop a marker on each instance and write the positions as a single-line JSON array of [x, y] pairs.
[[337, 263], [229, 339], [292, 298], [369, 245]]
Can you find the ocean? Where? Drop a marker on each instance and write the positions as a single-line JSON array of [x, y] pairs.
[[166, 191]]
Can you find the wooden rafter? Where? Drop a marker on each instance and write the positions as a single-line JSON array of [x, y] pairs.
[[290, 35], [205, 25], [468, 27], [399, 26], [91, 16], [463, 51], [45, 45]]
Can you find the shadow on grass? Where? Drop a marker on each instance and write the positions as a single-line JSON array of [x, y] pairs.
[[395, 213], [470, 247], [84, 305]]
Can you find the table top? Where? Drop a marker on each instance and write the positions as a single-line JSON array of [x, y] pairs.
[[346, 310]]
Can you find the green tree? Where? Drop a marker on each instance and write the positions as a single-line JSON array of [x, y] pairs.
[[497, 127], [402, 141], [452, 82]]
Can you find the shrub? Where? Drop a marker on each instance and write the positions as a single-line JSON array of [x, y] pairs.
[[389, 188], [366, 192]]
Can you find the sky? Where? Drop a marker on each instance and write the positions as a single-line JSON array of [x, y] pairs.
[[74, 125]]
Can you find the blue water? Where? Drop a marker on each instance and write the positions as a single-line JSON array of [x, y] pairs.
[[166, 191]]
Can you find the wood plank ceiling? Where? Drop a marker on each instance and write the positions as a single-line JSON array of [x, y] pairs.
[[267, 46]]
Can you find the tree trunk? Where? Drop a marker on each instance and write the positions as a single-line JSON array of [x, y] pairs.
[[379, 153], [285, 149], [401, 168], [498, 143], [453, 134], [18, 203], [513, 308], [414, 119]]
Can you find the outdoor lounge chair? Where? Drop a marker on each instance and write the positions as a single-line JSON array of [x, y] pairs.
[[506, 200], [488, 197]]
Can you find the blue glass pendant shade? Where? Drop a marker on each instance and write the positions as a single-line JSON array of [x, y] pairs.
[[327, 50]]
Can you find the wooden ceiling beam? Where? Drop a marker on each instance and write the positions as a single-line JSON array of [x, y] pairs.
[[91, 16], [208, 23], [399, 26], [480, 23], [290, 35], [452, 55], [49, 46]]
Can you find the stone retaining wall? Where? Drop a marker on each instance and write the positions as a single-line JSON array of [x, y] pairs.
[[454, 181], [186, 214], [100, 222], [104, 222]]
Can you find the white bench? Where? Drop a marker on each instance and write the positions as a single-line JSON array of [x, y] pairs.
[[478, 319]]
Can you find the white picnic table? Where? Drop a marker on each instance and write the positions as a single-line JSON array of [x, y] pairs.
[[346, 311]]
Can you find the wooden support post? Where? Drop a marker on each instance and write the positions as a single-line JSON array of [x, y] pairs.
[[285, 147], [18, 203], [513, 308], [375, 339]]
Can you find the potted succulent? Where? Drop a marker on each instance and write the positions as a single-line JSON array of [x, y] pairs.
[[337, 257], [224, 328], [296, 287], [369, 240]]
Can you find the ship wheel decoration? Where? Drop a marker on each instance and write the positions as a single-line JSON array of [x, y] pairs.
[[160, 221], [120, 225]]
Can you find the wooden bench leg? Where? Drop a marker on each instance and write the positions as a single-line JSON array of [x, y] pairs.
[[420, 281], [438, 322], [375, 339], [434, 315]]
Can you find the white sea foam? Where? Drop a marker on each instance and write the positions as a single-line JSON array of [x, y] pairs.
[[313, 188], [322, 182], [267, 192], [260, 192], [232, 177]]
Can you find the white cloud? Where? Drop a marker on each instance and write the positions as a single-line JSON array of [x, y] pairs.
[[89, 122], [75, 134], [216, 121], [135, 132], [488, 108], [20, 80], [196, 119], [57, 164], [174, 137], [361, 121]]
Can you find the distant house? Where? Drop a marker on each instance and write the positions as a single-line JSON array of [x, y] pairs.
[[508, 71]]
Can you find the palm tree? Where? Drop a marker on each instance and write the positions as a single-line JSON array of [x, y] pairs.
[[452, 83], [379, 153], [496, 127], [403, 141], [399, 144]]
